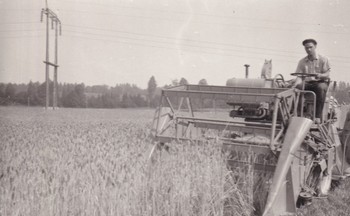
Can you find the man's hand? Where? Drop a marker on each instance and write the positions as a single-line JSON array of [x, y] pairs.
[[322, 76]]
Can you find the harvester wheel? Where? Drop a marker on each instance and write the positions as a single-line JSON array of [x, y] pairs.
[[305, 199], [322, 188], [319, 181]]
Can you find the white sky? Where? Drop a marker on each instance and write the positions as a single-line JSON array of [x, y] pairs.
[[128, 41]]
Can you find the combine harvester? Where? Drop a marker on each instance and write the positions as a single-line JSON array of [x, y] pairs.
[[261, 117]]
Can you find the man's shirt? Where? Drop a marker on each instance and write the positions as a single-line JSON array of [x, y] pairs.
[[318, 65]]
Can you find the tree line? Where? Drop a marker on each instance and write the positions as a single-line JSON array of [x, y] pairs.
[[76, 95], [79, 95], [341, 91], [103, 96]]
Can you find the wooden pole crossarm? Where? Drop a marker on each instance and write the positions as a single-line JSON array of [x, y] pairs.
[[52, 64]]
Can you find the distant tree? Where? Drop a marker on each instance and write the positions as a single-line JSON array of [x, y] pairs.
[[175, 82], [106, 101], [166, 86], [96, 102], [139, 101], [203, 82], [127, 102], [66, 89], [41, 90], [20, 87], [2, 90], [342, 86], [151, 89], [32, 93], [341, 93], [76, 97], [22, 98], [183, 81], [10, 91]]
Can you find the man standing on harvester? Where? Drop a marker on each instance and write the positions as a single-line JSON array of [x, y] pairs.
[[316, 64]]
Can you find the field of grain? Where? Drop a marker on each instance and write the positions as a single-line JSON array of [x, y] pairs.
[[95, 162]]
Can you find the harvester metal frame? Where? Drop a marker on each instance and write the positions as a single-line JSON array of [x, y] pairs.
[[234, 94], [286, 127]]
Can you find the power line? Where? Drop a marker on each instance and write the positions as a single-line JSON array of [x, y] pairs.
[[160, 47], [182, 39], [198, 41], [169, 43], [21, 30], [209, 23], [188, 45], [202, 14], [176, 49], [176, 39], [27, 9], [16, 23], [272, 50], [22, 36]]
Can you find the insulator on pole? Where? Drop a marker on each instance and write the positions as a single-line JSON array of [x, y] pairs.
[[42, 14], [246, 70]]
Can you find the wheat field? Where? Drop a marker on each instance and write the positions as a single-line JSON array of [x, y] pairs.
[[96, 162]]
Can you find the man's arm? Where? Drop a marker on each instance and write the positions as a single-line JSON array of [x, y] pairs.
[[323, 76], [297, 81], [326, 69]]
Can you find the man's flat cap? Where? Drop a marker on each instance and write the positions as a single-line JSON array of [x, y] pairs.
[[309, 41]]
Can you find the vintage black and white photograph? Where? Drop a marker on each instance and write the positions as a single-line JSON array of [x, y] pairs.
[[174, 108]]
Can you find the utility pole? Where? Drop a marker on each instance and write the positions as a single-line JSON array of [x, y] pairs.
[[55, 23], [56, 63], [246, 70]]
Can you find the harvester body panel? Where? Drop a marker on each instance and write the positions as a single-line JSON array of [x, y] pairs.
[[295, 135]]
